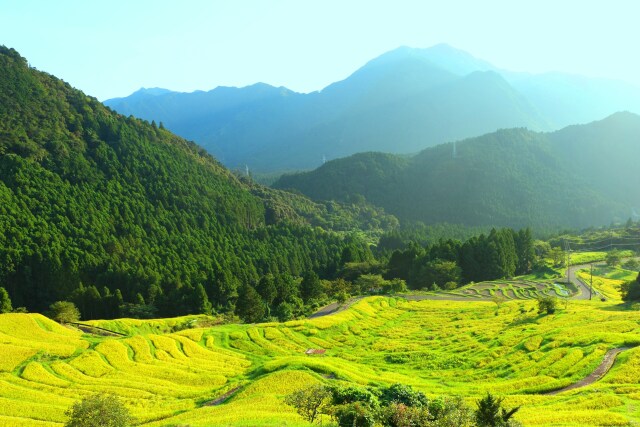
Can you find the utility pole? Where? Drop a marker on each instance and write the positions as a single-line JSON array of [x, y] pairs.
[[591, 283], [568, 249]]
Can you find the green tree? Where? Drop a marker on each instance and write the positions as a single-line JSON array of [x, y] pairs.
[[631, 290], [557, 256], [547, 305], [613, 258], [98, 410], [310, 287], [267, 288], [370, 283], [203, 306], [490, 413], [5, 301], [310, 402], [64, 312], [249, 306]]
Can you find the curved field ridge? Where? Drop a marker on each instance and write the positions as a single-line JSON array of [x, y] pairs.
[[599, 372]]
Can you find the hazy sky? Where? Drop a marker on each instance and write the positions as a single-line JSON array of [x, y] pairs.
[[112, 48]]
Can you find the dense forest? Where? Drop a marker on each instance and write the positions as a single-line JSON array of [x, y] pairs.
[[115, 213], [574, 178]]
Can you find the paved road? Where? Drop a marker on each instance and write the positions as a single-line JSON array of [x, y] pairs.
[[584, 293]]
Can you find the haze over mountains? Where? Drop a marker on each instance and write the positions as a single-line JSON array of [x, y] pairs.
[[401, 102], [576, 177]]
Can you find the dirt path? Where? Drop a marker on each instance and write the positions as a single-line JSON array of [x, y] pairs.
[[221, 399], [600, 371]]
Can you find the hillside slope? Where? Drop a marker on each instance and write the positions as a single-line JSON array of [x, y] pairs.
[[96, 205], [576, 177]]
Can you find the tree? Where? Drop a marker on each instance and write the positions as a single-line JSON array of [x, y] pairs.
[[395, 286], [490, 413], [370, 283], [310, 402], [267, 288], [557, 256], [203, 306], [440, 272], [310, 287], [98, 410], [613, 258], [5, 301], [632, 264], [547, 304], [64, 312], [631, 290], [249, 306]]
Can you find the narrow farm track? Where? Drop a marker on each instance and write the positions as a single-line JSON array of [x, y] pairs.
[[599, 372]]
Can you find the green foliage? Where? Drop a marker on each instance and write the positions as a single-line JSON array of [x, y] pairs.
[[473, 189], [403, 394], [631, 290], [91, 200], [99, 410], [311, 402], [64, 312], [632, 264], [5, 301], [310, 287], [484, 257], [557, 256], [613, 258], [547, 305], [250, 306], [490, 413]]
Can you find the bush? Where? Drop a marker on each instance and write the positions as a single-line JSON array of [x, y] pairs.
[[98, 410], [547, 304], [64, 312], [310, 402]]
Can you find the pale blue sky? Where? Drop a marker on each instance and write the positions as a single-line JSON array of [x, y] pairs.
[[112, 48]]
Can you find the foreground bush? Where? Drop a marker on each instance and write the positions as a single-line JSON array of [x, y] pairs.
[[98, 410]]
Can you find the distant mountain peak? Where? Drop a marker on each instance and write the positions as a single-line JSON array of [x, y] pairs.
[[152, 91]]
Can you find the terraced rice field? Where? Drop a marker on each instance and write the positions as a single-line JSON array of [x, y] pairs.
[[512, 290], [439, 347]]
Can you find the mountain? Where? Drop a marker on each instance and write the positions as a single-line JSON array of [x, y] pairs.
[[96, 206], [400, 102], [576, 177]]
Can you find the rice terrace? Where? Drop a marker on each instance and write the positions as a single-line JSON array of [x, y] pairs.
[[238, 374]]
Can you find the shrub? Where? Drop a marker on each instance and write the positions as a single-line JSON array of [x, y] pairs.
[[98, 410], [64, 312], [310, 402], [546, 304]]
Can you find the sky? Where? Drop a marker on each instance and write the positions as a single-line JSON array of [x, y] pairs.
[[112, 48]]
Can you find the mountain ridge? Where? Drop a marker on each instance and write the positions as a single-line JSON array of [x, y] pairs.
[[511, 177], [396, 102]]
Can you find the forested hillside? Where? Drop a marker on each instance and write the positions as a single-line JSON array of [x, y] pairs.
[[107, 211], [576, 177]]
